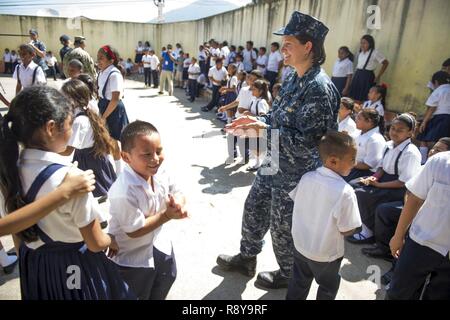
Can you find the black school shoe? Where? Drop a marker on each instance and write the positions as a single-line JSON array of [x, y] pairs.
[[243, 265], [272, 280], [378, 253], [9, 269]]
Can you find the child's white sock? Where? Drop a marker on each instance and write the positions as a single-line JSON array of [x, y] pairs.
[[119, 166], [6, 260], [424, 153], [366, 232]]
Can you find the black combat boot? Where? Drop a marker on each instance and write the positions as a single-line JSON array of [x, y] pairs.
[[246, 266], [272, 280]]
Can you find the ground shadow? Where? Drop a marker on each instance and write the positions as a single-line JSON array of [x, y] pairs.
[[4, 278], [361, 267], [221, 179], [231, 287]]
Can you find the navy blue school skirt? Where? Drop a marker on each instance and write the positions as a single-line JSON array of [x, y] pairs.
[[362, 81], [102, 167], [339, 83], [47, 273], [438, 127], [185, 74], [117, 120], [357, 173], [138, 58]]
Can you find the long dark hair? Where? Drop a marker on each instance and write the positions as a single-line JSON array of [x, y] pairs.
[[350, 55], [382, 91], [370, 40], [112, 55], [79, 93], [372, 115], [318, 49], [262, 86], [30, 110], [90, 82]]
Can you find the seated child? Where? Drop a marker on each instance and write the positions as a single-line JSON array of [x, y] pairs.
[[143, 198], [401, 160], [325, 210], [377, 99], [346, 123], [370, 144]]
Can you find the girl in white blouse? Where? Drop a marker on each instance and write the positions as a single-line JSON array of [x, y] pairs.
[[343, 71]]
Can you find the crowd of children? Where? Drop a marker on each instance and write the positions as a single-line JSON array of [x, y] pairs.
[[372, 170]]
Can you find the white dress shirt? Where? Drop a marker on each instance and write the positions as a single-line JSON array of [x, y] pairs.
[[82, 134], [348, 125], [274, 61], [342, 68], [262, 60], [115, 83], [408, 163], [324, 206], [370, 146], [431, 225], [26, 74], [377, 105], [440, 98], [376, 58]]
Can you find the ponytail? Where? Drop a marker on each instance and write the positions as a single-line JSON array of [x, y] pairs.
[[350, 55], [372, 115], [262, 86], [79, 93]]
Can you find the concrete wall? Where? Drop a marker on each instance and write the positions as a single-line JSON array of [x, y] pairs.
[[121, 35], [413, 35]]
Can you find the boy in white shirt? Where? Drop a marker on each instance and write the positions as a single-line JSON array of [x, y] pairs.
[[28, 73], [146, 60], [142, 199], [154, 65], [425, 250], [325, 210]]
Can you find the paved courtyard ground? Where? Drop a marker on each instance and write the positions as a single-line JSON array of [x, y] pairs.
[[196, 151]]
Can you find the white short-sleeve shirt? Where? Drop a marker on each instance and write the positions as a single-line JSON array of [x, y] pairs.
[[115, 83], [146, 60], [239, 66], [232, 82], [26, 74], [342, 68], [376, 58], [154, 62], [244, 98], [132, 201], [324, 206], [440, 98], [377, 105], [214, 53], [248, 56], [82, 133], [63, 223], [348, 125], [218, 75], [408, 163], [431, 225], [194, 71], [259, 106], [7, 57], [274, 61], [370, 146], [262, 60]]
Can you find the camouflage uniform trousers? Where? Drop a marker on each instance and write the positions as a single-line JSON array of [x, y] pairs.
[[268, 207]]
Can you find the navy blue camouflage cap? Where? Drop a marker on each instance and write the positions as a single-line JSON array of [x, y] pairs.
[[303, 24]]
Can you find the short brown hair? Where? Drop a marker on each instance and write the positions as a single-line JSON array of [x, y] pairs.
[[336, 144]]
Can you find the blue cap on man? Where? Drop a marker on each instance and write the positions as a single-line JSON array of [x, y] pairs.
[[303, 24]]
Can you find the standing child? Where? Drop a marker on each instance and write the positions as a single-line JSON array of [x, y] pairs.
[[89, 81], [258, 107], [325, 210], [179, 70], [146, 61], [343, 71], [90, 142], [28, 73], [194, 72], [7, 61], [377, 99], [346, 123], [436, 122], [426, 248], [239, 64], [401, 160], [186, 64], [40, 118], [51, 62], [228, 93], [154, 65], [261, 61], [14, 60], [110, 88], [370, 144], [144, 198]]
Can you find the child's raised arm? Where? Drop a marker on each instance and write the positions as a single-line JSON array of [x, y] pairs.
[[74, 184]]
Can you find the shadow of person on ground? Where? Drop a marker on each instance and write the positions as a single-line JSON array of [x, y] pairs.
[[231, 287], [222, 180]]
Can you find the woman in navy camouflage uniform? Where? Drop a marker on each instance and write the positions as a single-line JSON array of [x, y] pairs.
[[307, 106]]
